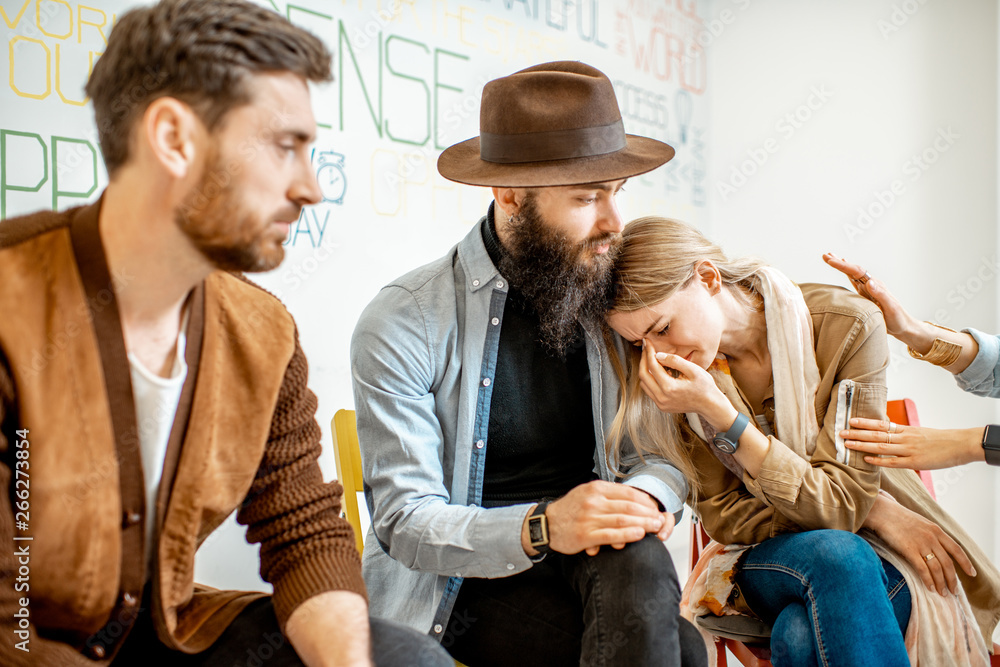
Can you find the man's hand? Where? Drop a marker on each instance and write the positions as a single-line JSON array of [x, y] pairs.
[[915, 538], [331, 629], [599, 513]]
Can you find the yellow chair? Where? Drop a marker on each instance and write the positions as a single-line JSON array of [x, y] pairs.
[[348, 451], [345, 445]]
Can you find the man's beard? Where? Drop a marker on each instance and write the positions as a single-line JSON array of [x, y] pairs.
[[216, 221], [563, 281]]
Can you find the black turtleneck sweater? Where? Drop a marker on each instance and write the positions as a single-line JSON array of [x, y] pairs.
[[541, 431]]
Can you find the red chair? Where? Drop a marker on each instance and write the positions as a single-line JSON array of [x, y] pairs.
[[902, 411]]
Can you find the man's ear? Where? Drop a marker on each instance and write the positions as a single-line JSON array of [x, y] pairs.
[[708, 274], [170, 130], [508, 200]]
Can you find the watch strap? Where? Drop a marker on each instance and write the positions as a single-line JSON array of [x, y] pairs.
[[732, 436], [991, 444]]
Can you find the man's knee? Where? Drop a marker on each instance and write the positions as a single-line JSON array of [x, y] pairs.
[[396, 645], [645, 564]]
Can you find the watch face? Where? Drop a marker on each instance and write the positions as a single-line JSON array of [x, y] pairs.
[[538, 532], [724, 445], [991, 438]]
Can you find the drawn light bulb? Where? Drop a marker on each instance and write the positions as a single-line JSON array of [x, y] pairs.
[[683, 105]]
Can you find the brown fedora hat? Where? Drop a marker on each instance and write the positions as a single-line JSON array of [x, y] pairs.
[[551, 124]]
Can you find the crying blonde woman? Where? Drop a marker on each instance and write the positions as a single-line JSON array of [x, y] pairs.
[[742, 379]]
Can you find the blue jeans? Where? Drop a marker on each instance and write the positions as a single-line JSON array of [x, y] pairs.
[[830, 599]]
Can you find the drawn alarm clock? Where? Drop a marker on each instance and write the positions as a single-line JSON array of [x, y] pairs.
[[332, 177]]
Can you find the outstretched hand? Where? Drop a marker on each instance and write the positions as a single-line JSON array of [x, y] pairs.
[[897, 320], [913, 447]]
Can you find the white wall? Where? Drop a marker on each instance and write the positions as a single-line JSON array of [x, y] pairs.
[[889, 92], [409, 78], [887, 81]]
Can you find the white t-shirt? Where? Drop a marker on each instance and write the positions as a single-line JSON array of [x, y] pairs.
[[156, 400]]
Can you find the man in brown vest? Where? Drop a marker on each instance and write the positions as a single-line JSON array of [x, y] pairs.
[[147, 390]]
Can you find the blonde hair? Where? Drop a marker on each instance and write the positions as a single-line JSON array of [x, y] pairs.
[[658, 257]]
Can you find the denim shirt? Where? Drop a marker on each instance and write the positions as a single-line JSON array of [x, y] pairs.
[[982, 377], [423, 355]]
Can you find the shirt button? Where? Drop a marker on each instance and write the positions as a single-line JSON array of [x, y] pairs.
[[499, 283], [438, 629], [475, 283], [486, 382], [480, 444], [97, 651], [510, 566], [495, 321], [128, 600], [130, 519]]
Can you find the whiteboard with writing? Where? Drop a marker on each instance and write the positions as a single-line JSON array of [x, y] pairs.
[[408, 80]]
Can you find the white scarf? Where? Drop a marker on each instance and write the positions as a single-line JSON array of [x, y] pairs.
[[793, 366]]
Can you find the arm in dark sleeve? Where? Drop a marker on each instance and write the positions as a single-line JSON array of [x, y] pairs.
[[306, 548]]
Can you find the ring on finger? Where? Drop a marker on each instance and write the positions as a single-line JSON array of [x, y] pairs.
[[929, 557], [888, 437], [865, 278], [892, 427]]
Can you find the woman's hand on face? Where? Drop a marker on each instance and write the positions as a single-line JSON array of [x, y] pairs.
[[674, 384]]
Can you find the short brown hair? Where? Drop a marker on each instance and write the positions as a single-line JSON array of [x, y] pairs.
[[199, 51]]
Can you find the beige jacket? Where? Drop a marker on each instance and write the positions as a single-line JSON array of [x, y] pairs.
[[791, 494]]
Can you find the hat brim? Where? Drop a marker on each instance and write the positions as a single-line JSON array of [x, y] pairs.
[[461, 163]]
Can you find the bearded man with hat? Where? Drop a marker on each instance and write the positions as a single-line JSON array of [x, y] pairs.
[[484, 392]]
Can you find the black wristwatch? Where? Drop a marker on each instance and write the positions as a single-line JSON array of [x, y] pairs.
[[991, 444], [538, 528], [729, 441]]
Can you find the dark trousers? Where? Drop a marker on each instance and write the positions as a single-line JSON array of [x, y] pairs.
[[254, 640], [615, 608]]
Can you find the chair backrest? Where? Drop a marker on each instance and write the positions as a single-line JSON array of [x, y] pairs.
[[348, 451]]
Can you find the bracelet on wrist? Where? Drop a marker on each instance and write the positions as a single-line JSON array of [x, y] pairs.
[[942, 352]]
